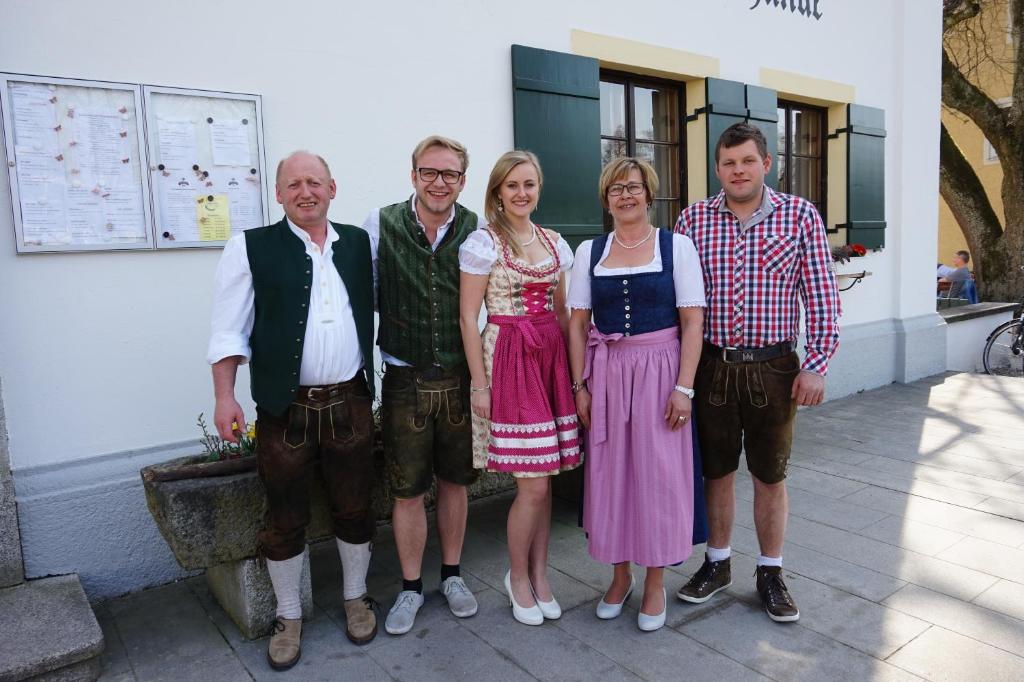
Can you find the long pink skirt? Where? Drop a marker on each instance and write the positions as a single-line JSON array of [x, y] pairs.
[[638, 497], [533, 413]]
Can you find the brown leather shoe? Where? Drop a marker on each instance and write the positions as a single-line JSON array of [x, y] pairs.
[[776, 599], [284, 651], [360, 619], [710, 579]]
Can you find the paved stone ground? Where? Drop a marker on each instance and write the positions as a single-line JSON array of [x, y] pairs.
[[905, 553]]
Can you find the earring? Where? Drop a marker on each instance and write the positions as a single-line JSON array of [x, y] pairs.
[[501, 206]]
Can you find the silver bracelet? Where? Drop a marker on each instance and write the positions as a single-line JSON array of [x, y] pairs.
[[482, 388]]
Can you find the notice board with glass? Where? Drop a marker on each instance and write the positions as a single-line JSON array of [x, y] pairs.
[[206, 161], [76, 161]]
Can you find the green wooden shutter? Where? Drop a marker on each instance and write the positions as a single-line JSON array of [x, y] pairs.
[[556, 114], [865, 176], [725, 104], [763, 113]]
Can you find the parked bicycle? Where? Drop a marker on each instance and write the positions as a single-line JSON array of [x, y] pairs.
[[1004, 348]]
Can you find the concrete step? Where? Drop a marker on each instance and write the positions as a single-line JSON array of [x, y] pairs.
[[50, 632]]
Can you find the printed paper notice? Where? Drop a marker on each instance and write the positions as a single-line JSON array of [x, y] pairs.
[[41, 195], [100, 150], [177, 143], [178, 196], [245, 197], [230, 144], [214, 218], [35, 116]]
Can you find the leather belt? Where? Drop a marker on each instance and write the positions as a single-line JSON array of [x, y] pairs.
[[328, 392], [730, 355]]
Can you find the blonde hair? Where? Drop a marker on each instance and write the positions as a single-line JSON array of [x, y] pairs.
[[619, 168], [505, 164], [439, 141]]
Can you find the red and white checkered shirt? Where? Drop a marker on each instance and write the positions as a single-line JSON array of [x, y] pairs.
[[753, 272]]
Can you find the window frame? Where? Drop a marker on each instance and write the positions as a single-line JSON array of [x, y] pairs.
[[629, 81], [788, 106]]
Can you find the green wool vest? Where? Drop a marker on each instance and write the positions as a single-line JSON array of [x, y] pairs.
[[418, 289], [282, 274]]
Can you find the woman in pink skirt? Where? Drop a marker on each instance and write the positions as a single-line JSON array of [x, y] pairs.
[[637, 298], [524, 416]]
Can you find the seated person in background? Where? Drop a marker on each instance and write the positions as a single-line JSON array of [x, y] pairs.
[[959, 275]]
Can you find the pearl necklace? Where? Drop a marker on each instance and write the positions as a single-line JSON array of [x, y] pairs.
[[615, 236], [531, 239]]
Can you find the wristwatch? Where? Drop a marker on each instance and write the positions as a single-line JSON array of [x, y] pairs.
[[576, 386], [688, 392]]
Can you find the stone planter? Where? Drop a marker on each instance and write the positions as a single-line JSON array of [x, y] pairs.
[[211, 523]]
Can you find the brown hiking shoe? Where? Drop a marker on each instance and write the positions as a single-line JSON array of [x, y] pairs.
[[360, 619], [774, 595], [712, 577], [283, 651]]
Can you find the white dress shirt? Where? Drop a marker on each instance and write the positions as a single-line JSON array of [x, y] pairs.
[[372, 227], [330, 350]]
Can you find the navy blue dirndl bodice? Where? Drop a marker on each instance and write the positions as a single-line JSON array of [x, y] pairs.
[[633, 304]]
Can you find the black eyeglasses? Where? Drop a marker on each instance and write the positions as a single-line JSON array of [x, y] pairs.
[[448, 177], [632, 188]]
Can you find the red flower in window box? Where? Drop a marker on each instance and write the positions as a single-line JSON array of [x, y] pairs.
[[858, 249]]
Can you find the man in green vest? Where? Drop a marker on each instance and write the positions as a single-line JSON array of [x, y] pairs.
[[295, 300], [425, 396]]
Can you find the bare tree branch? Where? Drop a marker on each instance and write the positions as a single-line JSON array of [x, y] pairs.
[[963, 95], [958, 11], [1016, 9]]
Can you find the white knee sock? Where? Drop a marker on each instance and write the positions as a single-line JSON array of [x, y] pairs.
[[763, 560], [716, 554], [355, 562], [286, 577]]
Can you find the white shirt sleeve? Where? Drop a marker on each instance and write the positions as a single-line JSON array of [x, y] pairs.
[[477, 254], [686, 273], [564, 254], [233, 304], [579, 279], [372, 227]]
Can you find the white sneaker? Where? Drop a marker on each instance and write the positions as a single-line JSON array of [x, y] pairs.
[[402, 615], [461, 601]]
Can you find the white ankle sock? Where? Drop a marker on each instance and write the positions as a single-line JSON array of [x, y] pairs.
[[763, 560], [716, 554], [355, 562], [286, 577]]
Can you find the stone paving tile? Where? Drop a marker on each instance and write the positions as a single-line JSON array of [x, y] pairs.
[[849, 577], [114, 659], [950, 479], [976, 622], [989, 557], [547, 652], [838, 615], [821, 483], [1005, 597], [1001, 507], [934, 573], [181, 644], [917, 537], [443, 650], [943, 515], [940, 654], [661, 655], [784, 651]]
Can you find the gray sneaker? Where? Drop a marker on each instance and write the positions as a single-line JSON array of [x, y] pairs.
[[460, 600], [402, 615]]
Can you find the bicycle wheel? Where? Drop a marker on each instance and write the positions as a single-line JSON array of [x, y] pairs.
[[1004, 350]]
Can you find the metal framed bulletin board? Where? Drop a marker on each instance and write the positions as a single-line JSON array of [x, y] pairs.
[[76, 161], [206, 165]]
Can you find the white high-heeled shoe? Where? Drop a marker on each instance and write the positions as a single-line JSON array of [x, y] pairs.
[[652, 623], [552, 610], [526, 615], [606, 611]]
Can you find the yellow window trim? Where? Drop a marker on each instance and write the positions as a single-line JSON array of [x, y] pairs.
[[642, 58], [805, 89]]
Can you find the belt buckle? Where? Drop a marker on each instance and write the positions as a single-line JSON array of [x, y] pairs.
[[725, 354], [310, 391]]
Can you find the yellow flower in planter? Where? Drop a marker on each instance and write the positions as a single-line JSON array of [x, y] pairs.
[[216, 448]]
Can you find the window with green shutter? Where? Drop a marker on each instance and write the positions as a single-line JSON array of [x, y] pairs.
[[556, 114], [865, 176]]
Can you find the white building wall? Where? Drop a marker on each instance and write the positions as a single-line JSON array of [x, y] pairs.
[[102, 354]]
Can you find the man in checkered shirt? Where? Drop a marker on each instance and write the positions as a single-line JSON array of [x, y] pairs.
[[759, 250]]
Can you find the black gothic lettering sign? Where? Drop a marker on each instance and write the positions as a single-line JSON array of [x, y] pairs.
[[806, 8]]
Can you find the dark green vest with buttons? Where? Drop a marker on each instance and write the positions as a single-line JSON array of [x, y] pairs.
[[282, 275], [418, 288]]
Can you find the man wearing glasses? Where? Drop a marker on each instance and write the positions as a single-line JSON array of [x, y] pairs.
[[425, 398]]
